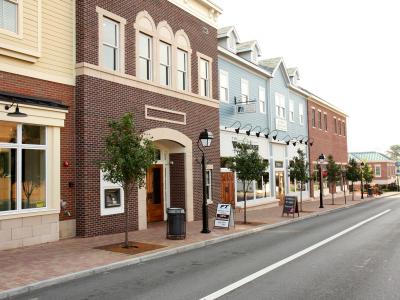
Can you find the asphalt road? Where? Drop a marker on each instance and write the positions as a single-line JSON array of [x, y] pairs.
[[361, 263]]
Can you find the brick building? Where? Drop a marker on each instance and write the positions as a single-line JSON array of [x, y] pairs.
[[157, 60], [37, 77], [383, 168], [327, 134]]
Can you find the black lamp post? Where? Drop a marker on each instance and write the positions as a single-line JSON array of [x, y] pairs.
[[321, 160], [362, 185], [205, 139]]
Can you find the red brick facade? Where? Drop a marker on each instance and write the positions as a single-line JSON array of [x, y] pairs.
[[31, 87], [326, 140], [98, 101]]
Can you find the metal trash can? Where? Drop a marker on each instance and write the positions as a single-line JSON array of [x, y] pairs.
[[370, 192], [176, 224]]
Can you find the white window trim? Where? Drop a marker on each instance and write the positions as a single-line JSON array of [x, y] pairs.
[[325, 123], [209, 170], [187, 72], [335, 125], [102, 13], [210, 62], [380, 171], [262, 90], [170, 47], [313, 111], [20, 21], [280, 97], [319, 123], [225, 73], [291, 110], [19, 146], [301, 114], [104, 185]]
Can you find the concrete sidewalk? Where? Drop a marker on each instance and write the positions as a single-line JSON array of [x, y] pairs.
[[42, 265]]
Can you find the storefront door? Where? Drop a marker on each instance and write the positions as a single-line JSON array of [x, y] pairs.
[[155, 194], [279, 185]]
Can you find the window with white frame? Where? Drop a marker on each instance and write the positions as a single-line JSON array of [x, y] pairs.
[[280, 106], [23, 162], [204, 77], [335, 124], [209, 185], [224, 86], [319, 119], [261, 99], [145, 57], [340, 127], [313, 117], [291, 111], [111, 51], [9, 15], [378, 171], [182, 68], [165, 64], [244, 90], [111, 197], [301, 114], [326, 122]]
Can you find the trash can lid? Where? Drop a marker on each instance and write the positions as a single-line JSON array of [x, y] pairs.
[[175, 210]]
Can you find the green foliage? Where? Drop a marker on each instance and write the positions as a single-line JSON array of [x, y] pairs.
[[127, 155], [226, 162], [333, 170], [367, 174], [394, 152], [299, 167], [352, 171]]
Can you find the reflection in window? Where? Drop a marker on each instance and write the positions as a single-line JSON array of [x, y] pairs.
[[204, 78], [263, 189], [35, 135], [112, 198], [145, 57], [8, 132], [33, 178], [110, 44], [8, 188], [9, 15], [165, 64]]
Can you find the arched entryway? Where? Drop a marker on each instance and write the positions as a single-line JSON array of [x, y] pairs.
[[169, 182]]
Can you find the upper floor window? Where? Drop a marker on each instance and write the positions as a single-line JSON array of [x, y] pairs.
[[335, 124], [261, 99], [182, 70], [111, 51], [165, 63], [319, 120], [9, 15], [291, 111], [313, 117], [224, 86], [232, 43], [326, 121], [301, 114], [340, 128], [22, 167], [244, 90], [344, 129], [204, 77], [145, 57], [280, 106]]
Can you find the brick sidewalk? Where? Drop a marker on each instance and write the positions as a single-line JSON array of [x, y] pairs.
[[28, 265]]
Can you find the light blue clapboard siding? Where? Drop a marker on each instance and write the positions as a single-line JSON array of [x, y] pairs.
[[228, 114]]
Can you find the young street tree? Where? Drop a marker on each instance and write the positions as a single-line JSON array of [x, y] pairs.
[[334, 175], [353, 174], [367, 174], [127, 156], [249, 166], [299, 172]]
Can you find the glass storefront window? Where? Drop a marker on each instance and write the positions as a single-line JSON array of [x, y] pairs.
[[22, 166], [8, 132], [8, 188]]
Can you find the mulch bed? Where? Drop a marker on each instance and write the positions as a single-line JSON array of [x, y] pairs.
[[249, 223], [134, 248]]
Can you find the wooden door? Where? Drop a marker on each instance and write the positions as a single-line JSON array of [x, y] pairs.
[[228, 188], [155, 193]]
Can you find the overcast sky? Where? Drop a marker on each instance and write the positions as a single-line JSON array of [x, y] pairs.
[[347, 52]]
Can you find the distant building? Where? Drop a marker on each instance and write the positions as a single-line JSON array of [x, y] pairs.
[[383, 167]]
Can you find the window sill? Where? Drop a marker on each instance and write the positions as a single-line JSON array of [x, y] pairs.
[[28, 213], [209, 202]]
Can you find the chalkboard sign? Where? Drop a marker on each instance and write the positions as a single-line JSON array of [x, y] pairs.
[[290, 206]]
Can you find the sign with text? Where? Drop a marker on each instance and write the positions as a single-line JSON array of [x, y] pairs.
[[290, 206], [224, 216]]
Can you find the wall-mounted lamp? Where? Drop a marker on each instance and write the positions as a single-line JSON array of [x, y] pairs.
[[249, 130], [258, 132], [16, 113], [238, 128]]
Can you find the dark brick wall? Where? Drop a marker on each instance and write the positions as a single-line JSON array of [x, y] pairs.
[[177, 179], [99, 101], [326, 142], [27, 86], [159, 10]]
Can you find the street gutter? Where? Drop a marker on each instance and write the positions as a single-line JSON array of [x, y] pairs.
[[152, 256]]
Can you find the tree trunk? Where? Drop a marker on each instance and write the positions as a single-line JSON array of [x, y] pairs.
[[245, 208], [301, 196], [333, 196], [126, 191], [352, 188]]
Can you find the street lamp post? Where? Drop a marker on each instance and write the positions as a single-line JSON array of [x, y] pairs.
[[362, 185], [321, 160], [205, 139]]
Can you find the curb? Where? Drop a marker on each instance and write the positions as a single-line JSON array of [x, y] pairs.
[[133, 261]]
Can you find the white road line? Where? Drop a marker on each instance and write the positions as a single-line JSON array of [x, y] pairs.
[[286, 260]]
